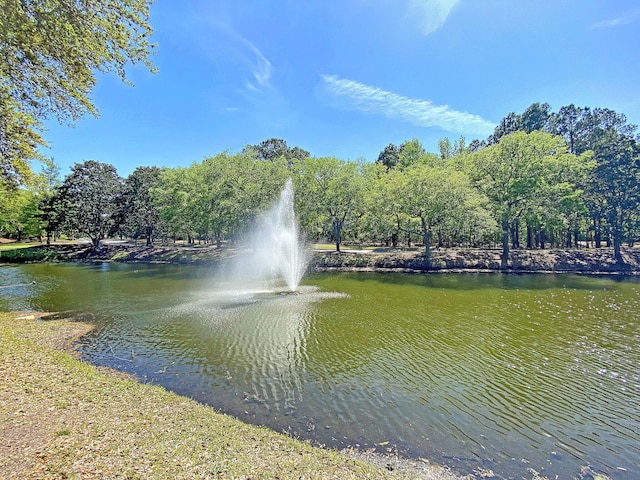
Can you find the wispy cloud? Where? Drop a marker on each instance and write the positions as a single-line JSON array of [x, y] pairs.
[[422, 113], [629, 16], [261, 68], [431, 14], [233, 47]]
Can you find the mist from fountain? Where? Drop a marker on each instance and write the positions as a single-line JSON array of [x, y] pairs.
[[275, 251]]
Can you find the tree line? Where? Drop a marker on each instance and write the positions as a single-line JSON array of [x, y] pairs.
[[543, 179]]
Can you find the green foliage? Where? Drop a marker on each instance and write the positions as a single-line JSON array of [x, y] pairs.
[[561, 177], [19, 141], [330, 195], [51, 52], [217, 198], [615, 183], [389, 157], [275, 148], [88, 200], [430, 200], [138, 213], [519, 174]]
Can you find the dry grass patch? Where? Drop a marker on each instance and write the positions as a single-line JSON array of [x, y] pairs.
[[62, 418]]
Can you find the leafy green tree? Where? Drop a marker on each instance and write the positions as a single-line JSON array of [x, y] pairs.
[[233, 189], [219, 197], [19, 141], [615, 182], [51, 214], [537, 116], [51, 52], [411, 152], [436, 200], [379, 221], [449, 149], [174, 200], [88, 199], [390, 156], [46, 188], [274, 148], [568, 124], [515, 175], [329, 192], [506, 126], [139, 213], [16, 214]]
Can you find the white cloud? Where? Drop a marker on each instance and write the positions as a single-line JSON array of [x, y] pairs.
[[629, 16], [431, 14], [422, 113], [232, 45], [261, 68]]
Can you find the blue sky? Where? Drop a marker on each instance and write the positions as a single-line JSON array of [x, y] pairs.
[[345, 78]]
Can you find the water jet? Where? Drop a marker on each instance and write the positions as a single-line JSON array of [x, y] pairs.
[[275, 250]]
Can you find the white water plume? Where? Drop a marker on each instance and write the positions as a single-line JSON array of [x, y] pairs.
[[275, 251]]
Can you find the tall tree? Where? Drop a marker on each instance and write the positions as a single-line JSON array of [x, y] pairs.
[[615, 182], [138, 211], [174, 200], [436, 200], [449, 149], [389, 156], [515, 175], [411, 152], [274, 148], [567, 123], [509, 124], [88, 199], [51, 51], [537, 116], [330, 191]]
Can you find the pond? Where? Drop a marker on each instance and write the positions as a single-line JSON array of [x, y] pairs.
[[481, 372]]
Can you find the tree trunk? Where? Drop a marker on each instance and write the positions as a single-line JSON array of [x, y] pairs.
[[617, 236], [597, 233], [337, 229], [504, 257], [427, 247], [617, 254], [515, 234], [96, 242]]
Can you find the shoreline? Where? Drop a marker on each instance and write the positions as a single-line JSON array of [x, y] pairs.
[[452, 260]]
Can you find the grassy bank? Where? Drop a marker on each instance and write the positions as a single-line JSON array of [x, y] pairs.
[[61, 418]]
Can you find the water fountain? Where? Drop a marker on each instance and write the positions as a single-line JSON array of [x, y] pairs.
[[274, 250], [286, 257]]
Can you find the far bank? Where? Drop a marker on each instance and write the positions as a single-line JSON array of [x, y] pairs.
[[352, 258]]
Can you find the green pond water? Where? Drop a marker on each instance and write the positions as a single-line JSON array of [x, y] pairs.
[[481, 372]]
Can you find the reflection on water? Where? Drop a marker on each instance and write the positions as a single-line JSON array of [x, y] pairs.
[[259, 336], [508, 373]]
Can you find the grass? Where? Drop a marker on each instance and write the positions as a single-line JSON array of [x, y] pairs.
[[62, 418], [24, 253], [14, 246]]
